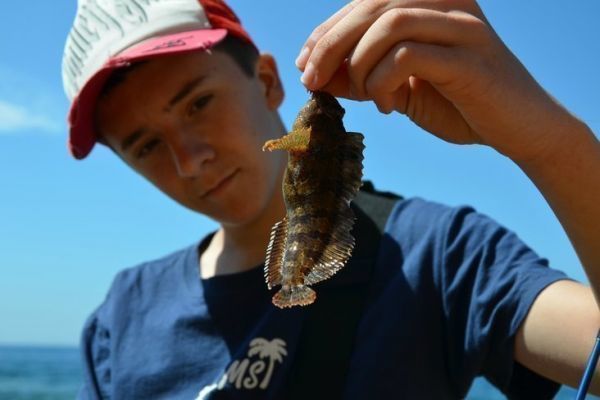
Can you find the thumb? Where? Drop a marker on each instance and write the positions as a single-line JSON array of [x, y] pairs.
[[339, 84]]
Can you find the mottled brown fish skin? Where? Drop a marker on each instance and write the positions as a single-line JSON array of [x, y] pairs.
[[319, 181], [311, 186]]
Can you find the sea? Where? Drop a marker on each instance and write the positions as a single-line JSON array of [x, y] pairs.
[[54, 373]]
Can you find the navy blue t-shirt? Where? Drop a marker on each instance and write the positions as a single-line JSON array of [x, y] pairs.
[[448, 291]]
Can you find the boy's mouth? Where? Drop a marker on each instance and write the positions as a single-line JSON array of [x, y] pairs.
[[220, 185]]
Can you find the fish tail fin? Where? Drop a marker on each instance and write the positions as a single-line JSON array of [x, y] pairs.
[[289, 296]]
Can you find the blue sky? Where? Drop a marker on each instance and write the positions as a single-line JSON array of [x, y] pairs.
[[66, 226]]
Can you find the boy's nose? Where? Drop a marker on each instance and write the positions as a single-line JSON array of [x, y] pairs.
[[190, 155]]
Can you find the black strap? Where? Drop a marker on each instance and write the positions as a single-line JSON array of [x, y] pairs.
[[327, 339]]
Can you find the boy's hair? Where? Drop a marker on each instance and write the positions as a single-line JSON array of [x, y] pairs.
[[243, 53]]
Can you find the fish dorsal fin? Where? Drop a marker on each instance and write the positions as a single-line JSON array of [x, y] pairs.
[[340, 246], [351, 171], [275, 253], [337, 252]]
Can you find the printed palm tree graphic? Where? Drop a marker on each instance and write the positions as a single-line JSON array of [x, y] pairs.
[[274, 349]]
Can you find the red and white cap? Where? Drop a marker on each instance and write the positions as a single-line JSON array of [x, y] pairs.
[[111, 34]]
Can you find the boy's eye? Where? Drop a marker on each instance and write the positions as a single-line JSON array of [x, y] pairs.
[[147, 148], [199, 103]]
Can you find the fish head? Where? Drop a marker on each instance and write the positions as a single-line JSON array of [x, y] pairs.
[[322, 109]]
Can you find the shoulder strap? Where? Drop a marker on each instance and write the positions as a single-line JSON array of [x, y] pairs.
[[377, 205], [327, 339]]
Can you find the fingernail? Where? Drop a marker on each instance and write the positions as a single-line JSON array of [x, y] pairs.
[[309, 77], [302, 57]]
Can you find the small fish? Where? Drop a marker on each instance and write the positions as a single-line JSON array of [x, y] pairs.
[[323, 175]]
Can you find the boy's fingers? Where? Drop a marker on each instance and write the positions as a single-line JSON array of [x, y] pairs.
[[409, 25], [393, 20], [432, 63], [334, 45], [321, 30], [338, 85]]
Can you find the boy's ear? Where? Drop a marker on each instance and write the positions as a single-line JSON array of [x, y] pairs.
[[268, 75]]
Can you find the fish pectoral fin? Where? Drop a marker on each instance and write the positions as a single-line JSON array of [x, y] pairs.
[[339, 249], [296, 140], [275, 253], [337, 252]]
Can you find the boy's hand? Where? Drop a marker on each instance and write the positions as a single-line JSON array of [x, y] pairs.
[[440, 63]]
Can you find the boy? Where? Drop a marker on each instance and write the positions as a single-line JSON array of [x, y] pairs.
[[179, 92]]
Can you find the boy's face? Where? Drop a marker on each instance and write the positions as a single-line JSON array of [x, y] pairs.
[[194, 125]]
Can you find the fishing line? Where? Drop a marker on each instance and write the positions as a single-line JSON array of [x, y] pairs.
[[589, 370]]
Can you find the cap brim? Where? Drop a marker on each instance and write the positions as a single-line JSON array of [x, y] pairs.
[[82, 137]]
